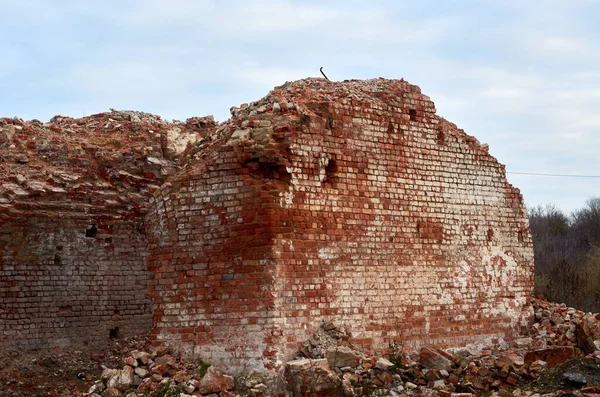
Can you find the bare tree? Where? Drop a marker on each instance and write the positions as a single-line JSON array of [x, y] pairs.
[[567, 254]]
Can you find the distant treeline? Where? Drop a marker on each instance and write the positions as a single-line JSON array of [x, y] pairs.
[[567, 254]]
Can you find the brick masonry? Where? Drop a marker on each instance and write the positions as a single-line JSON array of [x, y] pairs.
[[73, 248], [58, 287], [348, 201]]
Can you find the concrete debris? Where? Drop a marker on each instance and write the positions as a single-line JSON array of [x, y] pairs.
[[342, 356]]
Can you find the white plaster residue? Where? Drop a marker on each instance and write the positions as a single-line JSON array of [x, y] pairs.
[[461, 281], [246, 356], [323, 163], [500, 270], [286, 199], [329, 253], [289, 243], [177, 140]]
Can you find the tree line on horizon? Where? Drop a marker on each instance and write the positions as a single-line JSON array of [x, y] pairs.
[[567, 254]]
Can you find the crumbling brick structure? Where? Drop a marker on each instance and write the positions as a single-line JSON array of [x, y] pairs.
[[345, 201], [73, 195]]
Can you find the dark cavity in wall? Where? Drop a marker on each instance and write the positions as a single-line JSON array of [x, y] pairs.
[[91, 232], [412, 113], [331, 173], [391, 129], [268, 170], [113, 333], [441, 138], [329, 123], [490, 234]]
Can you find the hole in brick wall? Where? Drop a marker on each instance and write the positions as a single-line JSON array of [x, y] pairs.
[[441, 138], [91, 232], [331, 173], [521, 236], [391, 129], [329, 123], [490, 234], [57, 260], [113, 333], [412, 113], [268, 170]]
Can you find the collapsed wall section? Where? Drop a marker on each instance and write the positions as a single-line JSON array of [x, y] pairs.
[[73, 194]]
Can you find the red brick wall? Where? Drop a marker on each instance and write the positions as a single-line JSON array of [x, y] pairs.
[[403, 229], [346, 201], [60, 288], [210, 238]]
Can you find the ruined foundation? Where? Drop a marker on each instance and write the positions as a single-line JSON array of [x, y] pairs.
[[349, 201]]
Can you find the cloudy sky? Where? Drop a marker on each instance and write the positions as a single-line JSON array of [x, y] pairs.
[[522, 76]]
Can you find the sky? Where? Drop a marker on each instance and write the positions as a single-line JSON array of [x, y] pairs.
[[522, 76]]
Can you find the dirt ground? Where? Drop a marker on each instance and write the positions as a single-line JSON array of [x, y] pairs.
[[572, 375], [60, 372]]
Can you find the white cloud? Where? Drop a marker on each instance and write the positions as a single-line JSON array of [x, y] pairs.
[[563, 45], [271, 77], [520, 77]]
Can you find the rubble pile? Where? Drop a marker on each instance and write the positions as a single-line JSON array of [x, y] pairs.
[[112, 160], [557, 354], [548, 358], [160, 373]]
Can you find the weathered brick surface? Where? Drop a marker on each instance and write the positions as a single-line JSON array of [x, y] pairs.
[[345, 201], [58, 287], [59, 182]]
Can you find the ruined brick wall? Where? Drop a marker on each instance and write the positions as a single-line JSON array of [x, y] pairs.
[[346, 201], [404, 227], [210, 236], [73, 249], [349, 201], [59, 287]]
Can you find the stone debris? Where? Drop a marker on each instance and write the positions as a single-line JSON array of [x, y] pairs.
[[515, 368], [342, 357], [122, 156], [543, 362], [145, 373]]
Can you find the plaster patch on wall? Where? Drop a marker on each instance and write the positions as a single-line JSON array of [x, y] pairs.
[[329, 253]]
